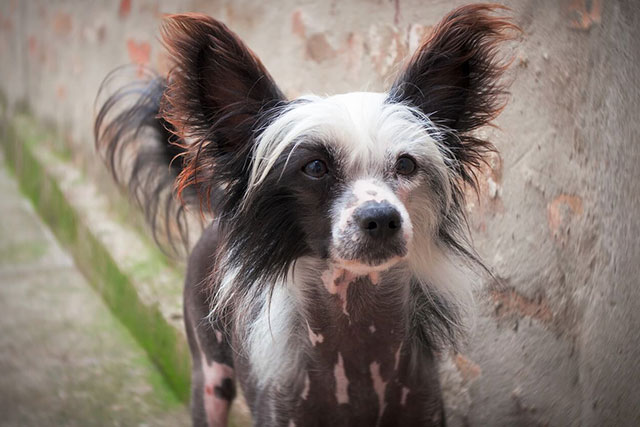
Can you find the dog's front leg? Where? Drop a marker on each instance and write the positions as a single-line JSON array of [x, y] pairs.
[[212, 374]]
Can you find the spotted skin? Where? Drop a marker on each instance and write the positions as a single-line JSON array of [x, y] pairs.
[[358, 370], [360, 374]]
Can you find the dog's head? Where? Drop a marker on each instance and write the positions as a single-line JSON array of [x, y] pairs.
[[359, 175], [363, 180]]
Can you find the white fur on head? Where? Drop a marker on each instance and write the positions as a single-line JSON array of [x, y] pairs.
[[361, 125]]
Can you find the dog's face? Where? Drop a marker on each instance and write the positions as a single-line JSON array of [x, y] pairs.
[[363, 180], [365, 176]]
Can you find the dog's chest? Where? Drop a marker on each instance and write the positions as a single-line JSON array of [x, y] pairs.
[[358, 372]]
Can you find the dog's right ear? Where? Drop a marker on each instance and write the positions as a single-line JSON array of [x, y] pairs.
[[218, 94], [455, 79]]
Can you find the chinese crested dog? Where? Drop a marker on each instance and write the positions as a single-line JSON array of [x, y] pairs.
[[337, 265]]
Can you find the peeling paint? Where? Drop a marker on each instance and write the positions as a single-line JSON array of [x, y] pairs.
[[62, 24], [388, 47], [584, 14], [319, 49], [509, 302], [468, 369], [139, 53], [297, 24], [487, 200], [560, 211], [124, 9]]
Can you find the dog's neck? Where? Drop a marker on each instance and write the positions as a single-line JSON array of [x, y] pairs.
[[361, 321], [346, 304], [358, 312]]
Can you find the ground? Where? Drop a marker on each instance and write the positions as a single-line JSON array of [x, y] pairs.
[[64, 358]]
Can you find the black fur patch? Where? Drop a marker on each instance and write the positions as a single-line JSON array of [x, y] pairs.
[[285, 218], [226, 390]]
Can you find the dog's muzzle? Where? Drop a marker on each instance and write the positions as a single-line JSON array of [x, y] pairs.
[[373, 231]]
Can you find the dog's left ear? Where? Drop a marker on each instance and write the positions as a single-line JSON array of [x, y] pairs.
[[453, 78]]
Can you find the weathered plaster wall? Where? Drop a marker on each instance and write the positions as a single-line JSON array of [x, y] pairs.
[[557, 218]]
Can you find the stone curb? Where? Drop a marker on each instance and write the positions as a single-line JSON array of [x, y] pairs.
[[132, 276]]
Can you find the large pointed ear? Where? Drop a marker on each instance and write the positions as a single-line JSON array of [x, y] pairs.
[[218, 95], [454, 79]]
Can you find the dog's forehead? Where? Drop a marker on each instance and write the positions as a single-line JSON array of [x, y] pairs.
[[360, 125], [364, 130]]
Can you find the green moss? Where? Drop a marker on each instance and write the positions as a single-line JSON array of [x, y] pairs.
[[164, 344], [23, 252]]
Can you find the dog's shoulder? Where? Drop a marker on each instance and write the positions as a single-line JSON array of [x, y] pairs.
[[202, 257]]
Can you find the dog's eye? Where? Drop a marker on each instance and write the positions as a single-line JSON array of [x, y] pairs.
[[315, 169], [405, 165]]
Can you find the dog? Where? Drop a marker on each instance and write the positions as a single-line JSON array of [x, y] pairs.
[[336, 269]]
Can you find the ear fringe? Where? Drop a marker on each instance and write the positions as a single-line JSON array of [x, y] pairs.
[[217, 91], [455, 79]]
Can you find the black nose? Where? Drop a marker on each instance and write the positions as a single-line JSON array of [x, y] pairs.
[[379, 220]]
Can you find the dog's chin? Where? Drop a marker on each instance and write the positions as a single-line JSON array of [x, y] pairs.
[[360, 268]]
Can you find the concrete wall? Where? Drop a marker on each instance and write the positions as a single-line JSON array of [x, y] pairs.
[[557, 218]]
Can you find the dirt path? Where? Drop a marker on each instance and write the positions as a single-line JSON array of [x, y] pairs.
[[64, 359]]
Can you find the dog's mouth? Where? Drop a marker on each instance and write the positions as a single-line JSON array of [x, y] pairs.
[[361, 253], [362, 268], [368, 257]]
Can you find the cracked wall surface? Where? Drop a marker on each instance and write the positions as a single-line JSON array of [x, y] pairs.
[[556, 343]]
